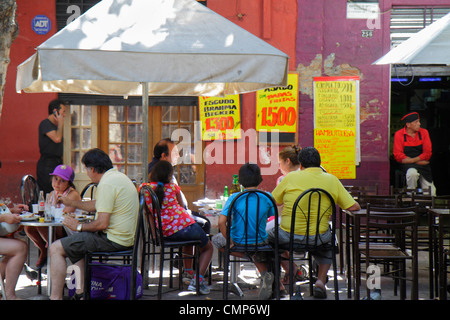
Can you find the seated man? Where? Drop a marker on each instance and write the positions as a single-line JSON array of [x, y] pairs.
[[249, 178], [117, 207], [412, 148], [294, 183]]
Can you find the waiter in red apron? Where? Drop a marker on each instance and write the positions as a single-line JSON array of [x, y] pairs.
[[412, 148]]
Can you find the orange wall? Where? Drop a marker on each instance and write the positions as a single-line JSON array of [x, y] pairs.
[[22, 113]]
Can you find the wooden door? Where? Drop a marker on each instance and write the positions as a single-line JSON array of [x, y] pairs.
[[178, 123]]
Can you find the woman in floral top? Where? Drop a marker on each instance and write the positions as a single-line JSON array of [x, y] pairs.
[[177, 223]]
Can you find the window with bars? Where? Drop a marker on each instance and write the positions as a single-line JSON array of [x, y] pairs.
[[83, 133], [408, 20], [174, 118], [125, 139]]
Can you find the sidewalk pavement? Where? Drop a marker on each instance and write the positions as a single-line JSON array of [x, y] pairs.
[[248, 281]]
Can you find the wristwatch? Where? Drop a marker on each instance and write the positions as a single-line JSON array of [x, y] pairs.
[[79, 226]]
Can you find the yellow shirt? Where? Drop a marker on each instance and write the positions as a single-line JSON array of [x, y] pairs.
[[117, 195], [294, 183]]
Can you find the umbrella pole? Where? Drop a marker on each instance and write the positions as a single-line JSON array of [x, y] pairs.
[[145, 131]]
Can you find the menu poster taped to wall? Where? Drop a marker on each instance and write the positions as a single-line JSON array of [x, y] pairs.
[[276, 108], [336, 124], [220, 117]]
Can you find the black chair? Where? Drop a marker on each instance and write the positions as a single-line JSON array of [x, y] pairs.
[[29, 191], [248, 246], [154, 238], [401, 224], [303, 206], [117, 258], [88, 192], [386, 201]]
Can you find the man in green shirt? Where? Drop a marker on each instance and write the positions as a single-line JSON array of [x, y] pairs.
[[113, 229], [293, 184]]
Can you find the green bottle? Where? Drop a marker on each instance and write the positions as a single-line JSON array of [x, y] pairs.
[[225, 192], [235, 187]]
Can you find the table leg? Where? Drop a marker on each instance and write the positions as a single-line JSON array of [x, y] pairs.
[[50, 239]]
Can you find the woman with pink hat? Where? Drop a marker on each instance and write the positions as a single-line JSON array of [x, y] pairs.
[[62, 183]]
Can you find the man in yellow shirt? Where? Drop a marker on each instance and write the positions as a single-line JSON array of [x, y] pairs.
[[114, 227], [294, 183]]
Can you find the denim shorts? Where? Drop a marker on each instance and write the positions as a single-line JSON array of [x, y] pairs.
[[192, 232], [321, 256]]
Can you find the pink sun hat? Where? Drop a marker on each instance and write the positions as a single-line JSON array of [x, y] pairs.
[[65, 172]]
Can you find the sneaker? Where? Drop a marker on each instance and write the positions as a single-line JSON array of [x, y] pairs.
[[204, 289], [265, 292]]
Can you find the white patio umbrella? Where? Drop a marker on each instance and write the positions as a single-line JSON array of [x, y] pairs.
[[159, 47], [430, 46]]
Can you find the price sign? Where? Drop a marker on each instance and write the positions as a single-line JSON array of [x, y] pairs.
[[276, 108], [336, 124], [220, 117]]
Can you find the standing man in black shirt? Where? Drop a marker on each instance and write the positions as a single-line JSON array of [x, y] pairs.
[[50, 144]]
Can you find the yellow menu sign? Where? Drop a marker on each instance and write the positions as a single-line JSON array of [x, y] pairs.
[[220, 117], [335, 123], [276, 108]]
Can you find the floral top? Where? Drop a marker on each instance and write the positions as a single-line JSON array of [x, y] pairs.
[[173, 216]]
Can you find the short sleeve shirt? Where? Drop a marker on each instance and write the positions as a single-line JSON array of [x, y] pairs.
[[117, 195], [294, 183], [46, 146]]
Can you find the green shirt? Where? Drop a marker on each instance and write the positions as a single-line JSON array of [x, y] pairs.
[[117, 195], [294, 183]]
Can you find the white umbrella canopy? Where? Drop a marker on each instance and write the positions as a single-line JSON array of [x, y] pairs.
[[178, 47], [431, 45], [162, 47]]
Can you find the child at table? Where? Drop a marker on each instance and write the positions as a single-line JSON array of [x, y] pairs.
[[177, 223], [249, 178]]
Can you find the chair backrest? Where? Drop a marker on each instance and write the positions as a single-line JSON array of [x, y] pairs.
[[441, 202], [313, 206], [387, 201], [395, 220], [29, 191], [251, 208], [152, 215], [88, 192]]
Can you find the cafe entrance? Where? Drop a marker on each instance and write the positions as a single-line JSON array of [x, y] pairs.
[[115, 125], [429, 95]]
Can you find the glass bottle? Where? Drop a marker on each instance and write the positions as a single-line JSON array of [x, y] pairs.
[[225, 193], [235, 187], [41, 203]]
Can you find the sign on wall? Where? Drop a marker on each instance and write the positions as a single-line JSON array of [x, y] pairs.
[[336, 124], [41, 24], [220, 117], [276, 108]]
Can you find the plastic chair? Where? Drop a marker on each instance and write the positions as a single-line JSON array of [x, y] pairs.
[[249, 246], [154, 238], [327, 209], [117, 258], [402, 224]]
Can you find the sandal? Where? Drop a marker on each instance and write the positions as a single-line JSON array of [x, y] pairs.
[[77, 296], [319, 292]]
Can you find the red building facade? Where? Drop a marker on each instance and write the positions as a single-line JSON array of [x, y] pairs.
[[320, 41]]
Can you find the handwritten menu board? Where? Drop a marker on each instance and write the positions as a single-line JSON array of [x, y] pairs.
[[336, 124], [276, 108], [220, 117]]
